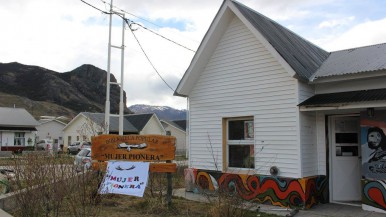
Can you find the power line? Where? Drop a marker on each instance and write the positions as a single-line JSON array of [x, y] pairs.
[[148, 28], [164, 37], [130, 23], [95, 7], [132, 14], [148, 59]]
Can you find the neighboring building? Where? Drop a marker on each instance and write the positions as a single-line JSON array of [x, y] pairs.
[[17, 129], [282, 119], [177, 128], [87, 124], [50, 129]]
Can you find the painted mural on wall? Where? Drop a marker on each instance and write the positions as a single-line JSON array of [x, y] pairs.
[[285, 192], [374, 193], [373, 140]]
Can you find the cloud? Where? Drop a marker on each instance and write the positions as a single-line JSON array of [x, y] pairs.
[[62, 35], [363, 34], [336, 22]]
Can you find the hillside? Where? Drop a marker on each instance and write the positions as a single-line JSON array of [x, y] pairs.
[[46, 92], [162, 112]]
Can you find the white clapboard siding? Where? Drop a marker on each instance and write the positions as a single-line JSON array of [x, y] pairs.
[[308, 145], [243, 79], [321, 142], [152, 127]]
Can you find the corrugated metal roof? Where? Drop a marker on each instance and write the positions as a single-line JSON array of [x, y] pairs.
[[355, 60], [303, 56], [345, 97], [16, 117]]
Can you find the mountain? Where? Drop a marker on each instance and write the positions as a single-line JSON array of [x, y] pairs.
[[46, 92], [162, 112]]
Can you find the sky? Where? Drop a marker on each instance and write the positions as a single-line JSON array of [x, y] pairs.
[[62, 35]]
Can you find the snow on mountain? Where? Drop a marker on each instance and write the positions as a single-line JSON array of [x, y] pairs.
[[162, 112]]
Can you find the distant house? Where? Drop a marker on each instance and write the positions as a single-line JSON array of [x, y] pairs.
[[177, 128], [283, 120], [51, 129], [17, 129], [87, 124]]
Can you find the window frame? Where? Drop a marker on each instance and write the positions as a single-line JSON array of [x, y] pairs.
[[19, 136], [249, 141]]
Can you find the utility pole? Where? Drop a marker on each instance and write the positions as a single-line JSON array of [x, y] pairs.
[[108, 82]]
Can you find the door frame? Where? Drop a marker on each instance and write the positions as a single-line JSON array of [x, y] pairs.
[[330, 122]]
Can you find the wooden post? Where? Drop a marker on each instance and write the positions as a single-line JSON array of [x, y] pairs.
[[170, 187]]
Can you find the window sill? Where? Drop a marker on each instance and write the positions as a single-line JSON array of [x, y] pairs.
[[245, 171]]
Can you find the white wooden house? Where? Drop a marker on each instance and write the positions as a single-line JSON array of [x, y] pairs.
[[282, 119], [87, 124], [17, 129], [177, 128], [51, 129]]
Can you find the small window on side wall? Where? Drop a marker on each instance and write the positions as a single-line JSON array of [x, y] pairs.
[[240, 143]]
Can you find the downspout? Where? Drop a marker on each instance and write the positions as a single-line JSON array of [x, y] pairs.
[[188, 131]]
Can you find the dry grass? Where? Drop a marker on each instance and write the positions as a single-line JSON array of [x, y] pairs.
[[49, 186]]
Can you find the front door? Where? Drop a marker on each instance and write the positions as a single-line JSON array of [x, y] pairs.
[[345, 159]]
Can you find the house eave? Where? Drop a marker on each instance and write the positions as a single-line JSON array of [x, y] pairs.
[[347, 77], [343, 106]]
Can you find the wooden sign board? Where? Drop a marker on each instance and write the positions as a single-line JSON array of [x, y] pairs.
[[145, 148], [153, 168]]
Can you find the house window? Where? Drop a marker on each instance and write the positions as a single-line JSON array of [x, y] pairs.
[[168, 133], [19, 138], [69, 140], [77, 138], [240, 143]]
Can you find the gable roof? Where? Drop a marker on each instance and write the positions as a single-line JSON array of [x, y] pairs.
[[17, 117], [99, 118], [179, 124], [355, 60], [299, 56], [44, 121], [139, 121], [303, 56]]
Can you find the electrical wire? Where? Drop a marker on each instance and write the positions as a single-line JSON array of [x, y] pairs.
[[148, 28], [164, 37], [132, 14], [130, 23], [148, 59], [95, 7]]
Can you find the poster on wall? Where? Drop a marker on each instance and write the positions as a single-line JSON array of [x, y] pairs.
[[373, 140], [123, 177]]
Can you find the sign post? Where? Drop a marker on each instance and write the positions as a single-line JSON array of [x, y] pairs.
[[159, 150]]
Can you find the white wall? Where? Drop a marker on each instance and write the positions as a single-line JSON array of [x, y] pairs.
[[8, 138], [153, 127], [307, 130], [180, 138], [243, 79], [79, 127], [51, 130]]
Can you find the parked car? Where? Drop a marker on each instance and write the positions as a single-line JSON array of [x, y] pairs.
[[77, 146], [44, 144], [83, 160]]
